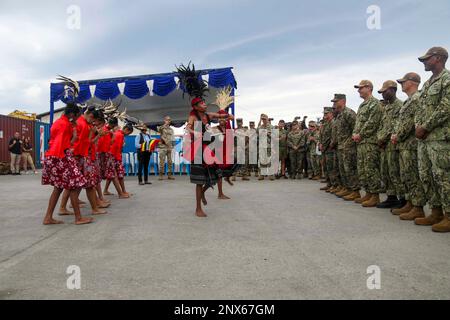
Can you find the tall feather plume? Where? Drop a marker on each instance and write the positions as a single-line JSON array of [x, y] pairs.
[[71, 87], [191, 81], [224, 98]]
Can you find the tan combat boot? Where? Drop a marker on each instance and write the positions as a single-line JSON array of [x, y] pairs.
[[271, 178], [245, 178], [444, 225], [405, 209], [414, 213], [261, 178], [365, 198], [325, 188], [160, 177], [372, 202], [435, 217], [352, 196], [170, 177], [233, 178], [315, 178], [343, 193], [337, 189], [331, 189]]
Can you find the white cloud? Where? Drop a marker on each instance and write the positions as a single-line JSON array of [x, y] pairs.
[[286, 95]]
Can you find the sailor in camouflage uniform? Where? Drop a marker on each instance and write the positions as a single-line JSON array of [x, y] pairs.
[[296, 142], [325, 141], [389, 155], [346, 152], [165, 147], [433, 131], [404, 137], [313, 141], [367, 124]]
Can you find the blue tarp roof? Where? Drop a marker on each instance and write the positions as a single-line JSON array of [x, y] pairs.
[[138, 87]]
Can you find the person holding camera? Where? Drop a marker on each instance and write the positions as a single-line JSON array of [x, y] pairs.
[[15, 150]]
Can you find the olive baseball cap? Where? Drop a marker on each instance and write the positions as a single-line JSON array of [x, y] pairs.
[[386, 85], [435, 51], [364, 83], [412, 76], [338, 96]]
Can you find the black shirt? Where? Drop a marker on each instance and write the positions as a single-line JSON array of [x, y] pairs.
[[17, 148]]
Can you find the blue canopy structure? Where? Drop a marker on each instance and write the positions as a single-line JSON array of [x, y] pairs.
[[147, 97]]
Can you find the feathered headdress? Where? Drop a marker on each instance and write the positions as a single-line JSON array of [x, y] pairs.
[[192, 82], [71, 87], [224, 98]]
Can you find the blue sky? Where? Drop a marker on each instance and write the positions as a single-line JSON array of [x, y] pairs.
[[289, 56]]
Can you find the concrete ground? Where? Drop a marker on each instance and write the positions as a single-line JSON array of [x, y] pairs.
[[273, 240]]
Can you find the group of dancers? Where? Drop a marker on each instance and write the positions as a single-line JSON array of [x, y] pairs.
[[85, 148], [86, 144]]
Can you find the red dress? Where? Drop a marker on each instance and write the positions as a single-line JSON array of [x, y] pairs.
[[60, 167], [116, 151], [81, 153], [107, 163]]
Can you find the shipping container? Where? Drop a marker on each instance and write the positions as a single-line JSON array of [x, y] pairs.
[[41, 138], [8, 126]]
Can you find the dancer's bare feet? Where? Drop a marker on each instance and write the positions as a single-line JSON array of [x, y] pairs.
[[81, 202], [200, 213], [83, 221], [107, 193], [103, 205], [52, 221], [65, 212], [223, 197], [82, 205], [99, 211], [124, 196]]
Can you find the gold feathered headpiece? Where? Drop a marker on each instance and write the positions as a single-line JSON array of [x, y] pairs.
[[224, 98]]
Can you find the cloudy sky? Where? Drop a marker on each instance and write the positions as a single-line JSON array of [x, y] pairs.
[[289, 56]]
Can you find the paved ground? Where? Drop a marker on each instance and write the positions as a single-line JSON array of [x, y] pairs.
[[273, 240]]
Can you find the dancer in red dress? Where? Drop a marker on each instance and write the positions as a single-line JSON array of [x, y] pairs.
[[117, 143], [60, 168], [85, 134], [203, 173]]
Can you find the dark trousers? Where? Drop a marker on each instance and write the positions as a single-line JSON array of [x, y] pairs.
[[144, 160]]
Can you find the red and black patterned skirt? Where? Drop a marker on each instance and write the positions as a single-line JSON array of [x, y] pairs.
[[120, 171], [107, 166], [87, 167], [62, 173]]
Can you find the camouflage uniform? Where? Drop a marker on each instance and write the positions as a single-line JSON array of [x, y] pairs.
[[165, 147], [283, 152], [265, 156], [325, 140], [434, 151], [243, 170], [333, 148], [347, 149], [297, 139], [314, 160], [404, 129], [389, 162], [367, 123]]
